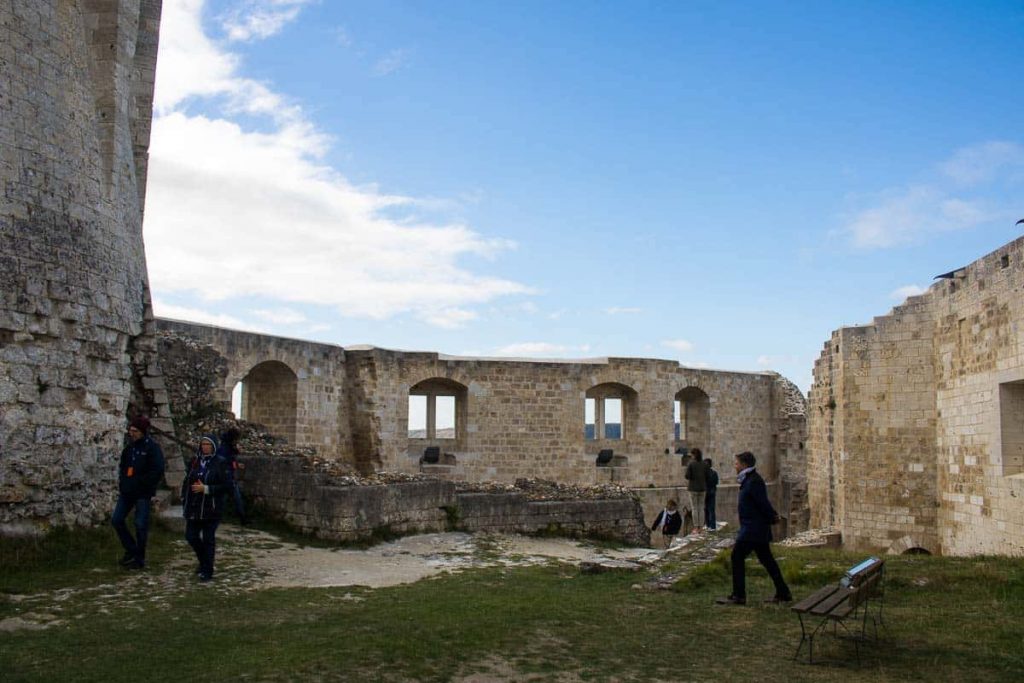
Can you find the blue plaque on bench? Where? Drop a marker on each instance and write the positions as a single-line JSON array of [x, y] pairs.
[[852, 572]]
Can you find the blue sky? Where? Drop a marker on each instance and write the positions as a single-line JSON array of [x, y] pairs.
[[718, 183]]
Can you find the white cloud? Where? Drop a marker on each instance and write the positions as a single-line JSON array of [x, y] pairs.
[[233, 212], [620, 310], [280, 316], [448, 318], [341, 36], [901, 293], [974, 187], [165, 310], [258, 19], [541, 349], [984, 163], [391, 62], [678, 344]]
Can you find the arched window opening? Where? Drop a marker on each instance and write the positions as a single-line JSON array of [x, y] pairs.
[[437, 411], [916, 551], [268, 395], [692, 418], [609, 411]]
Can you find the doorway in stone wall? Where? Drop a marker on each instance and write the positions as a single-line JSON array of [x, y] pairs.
[[268, 395]]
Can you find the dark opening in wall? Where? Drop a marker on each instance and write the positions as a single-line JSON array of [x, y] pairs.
[[916, 551], [1004, 261]]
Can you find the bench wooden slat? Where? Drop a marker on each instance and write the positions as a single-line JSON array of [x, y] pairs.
[[810, 601], [833, 601]]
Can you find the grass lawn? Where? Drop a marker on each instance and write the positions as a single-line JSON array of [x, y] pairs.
[[951, 619]]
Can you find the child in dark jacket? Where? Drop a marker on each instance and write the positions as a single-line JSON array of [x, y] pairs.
[[670, 522], [202, 495]]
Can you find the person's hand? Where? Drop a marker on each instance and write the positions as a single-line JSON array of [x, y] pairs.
[[198, 487]]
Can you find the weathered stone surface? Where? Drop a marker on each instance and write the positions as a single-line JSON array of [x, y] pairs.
[[75, 111], [312, 503], [916, 422]]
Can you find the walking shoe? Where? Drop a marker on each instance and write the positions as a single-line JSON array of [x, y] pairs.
[[778, 599], [126, 560], [136, 564], [731, 600], [204, 577]]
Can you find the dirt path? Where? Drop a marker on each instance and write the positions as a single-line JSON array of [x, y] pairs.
[[249, 560]]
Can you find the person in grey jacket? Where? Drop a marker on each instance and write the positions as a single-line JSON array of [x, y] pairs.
[[696, 484], [202, 496]]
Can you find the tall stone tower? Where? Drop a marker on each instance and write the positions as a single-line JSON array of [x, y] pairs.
[[76, 95]]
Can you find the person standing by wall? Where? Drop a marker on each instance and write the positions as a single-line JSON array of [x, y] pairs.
[[139, 473], [711, 479], [229, 450], [202, 495], [756, 517], [670, 522], [697, 486]]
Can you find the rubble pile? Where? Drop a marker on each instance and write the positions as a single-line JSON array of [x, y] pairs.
[[812, 537], [543, 489], [193, 374]]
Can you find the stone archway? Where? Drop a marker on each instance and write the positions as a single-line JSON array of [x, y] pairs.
[[908, 545], [270, 397]]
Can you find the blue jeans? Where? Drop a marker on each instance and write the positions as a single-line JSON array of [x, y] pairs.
[[136, 547], [709, 509], [201, 535]]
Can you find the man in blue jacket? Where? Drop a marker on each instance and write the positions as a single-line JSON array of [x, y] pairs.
[[756, 518], [139, 473]]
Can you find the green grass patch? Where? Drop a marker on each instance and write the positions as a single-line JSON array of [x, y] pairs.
[[956, 618]]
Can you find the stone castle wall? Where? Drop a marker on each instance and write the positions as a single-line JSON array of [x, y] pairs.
[[913, 421], [309, 502], [513, 418], [76, 82]]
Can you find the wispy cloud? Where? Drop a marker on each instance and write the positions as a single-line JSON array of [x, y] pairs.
[[259, 19], [342, 36], [622, 310], [280, 316], [901, 293], [165, 310], [984, 163], [541, 349], [977, 185], [681, 345], [391, 62], [233, 212]]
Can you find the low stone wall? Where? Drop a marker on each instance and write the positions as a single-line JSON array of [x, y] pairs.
[[619, 519], [307, 501]]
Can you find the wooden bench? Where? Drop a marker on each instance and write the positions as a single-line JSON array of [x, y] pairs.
[[849, 603]]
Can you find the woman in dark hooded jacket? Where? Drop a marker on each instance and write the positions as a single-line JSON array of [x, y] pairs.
[[202, 496]]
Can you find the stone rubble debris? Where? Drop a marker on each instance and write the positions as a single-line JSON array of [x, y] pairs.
[[811, 537]]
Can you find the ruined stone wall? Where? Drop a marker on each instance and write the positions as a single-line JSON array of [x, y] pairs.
[[907, 417], [308, 501], [524, 418], [305, 378], [979, 367], [75, 105], [514, 418]]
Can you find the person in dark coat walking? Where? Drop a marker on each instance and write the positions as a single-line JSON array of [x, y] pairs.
[[756, 519], [670, 522], [139, 473], [711, 481], [202, 495]]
